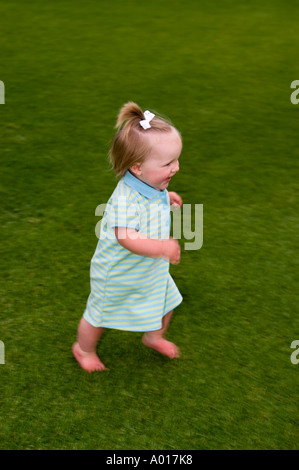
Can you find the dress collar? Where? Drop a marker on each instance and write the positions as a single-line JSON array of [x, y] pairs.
[[141, 187]]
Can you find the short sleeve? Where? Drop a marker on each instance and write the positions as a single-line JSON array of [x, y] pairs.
[[123, 212]]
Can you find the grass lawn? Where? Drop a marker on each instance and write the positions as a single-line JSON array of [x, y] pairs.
[[222, 72]]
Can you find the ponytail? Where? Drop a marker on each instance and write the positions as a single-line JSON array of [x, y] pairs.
[[130, 113]]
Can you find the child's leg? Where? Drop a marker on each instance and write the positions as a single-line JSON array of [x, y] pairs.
[[155, 339], [85, 348]]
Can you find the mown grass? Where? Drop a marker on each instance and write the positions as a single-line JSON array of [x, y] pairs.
[[222, 73]]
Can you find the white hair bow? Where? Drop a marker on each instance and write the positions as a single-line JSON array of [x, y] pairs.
[[146, 122]]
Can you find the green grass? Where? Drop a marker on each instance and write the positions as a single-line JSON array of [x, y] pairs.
[[222, 72]]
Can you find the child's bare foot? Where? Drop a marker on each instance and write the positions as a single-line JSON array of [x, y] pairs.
[[162, 346], [88, 361]]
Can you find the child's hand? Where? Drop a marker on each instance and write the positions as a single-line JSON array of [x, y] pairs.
[[175, 199], [172, 250]]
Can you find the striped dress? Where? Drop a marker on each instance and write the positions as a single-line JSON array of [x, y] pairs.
[[129, 291]]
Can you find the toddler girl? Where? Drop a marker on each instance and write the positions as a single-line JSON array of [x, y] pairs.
[[131, 288]]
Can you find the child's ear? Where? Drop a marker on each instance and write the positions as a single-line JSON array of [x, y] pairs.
[[136, 169]]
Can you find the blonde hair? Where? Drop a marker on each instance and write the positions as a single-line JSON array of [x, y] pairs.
[[130, 144]]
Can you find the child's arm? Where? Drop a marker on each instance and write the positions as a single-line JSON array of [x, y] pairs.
[[175, 199], [141, 245]]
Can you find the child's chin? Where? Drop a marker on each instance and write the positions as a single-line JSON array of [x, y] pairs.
[[163, 185]]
